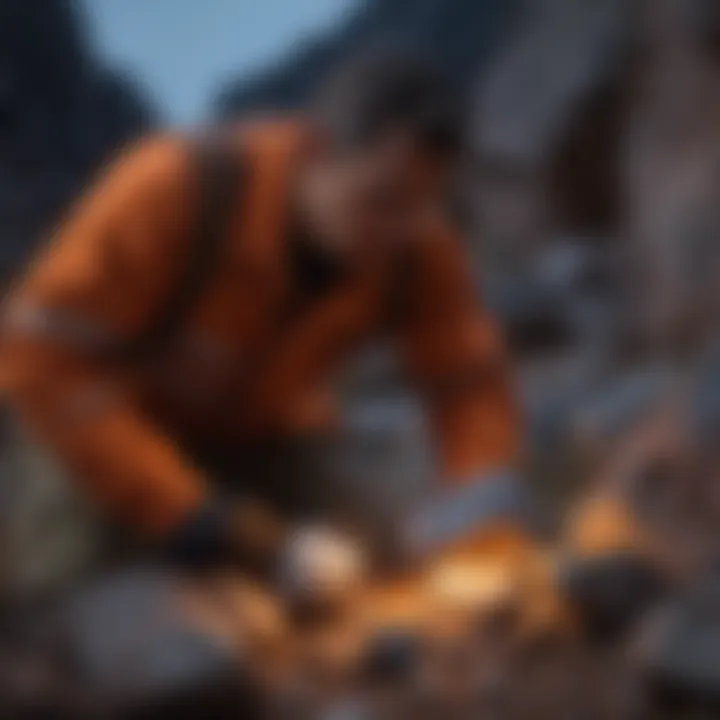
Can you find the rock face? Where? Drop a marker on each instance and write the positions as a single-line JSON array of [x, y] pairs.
[[461, 34], [673, 171], [543, 114], [61, 114]]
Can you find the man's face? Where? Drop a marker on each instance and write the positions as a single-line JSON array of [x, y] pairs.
[[376, 197]]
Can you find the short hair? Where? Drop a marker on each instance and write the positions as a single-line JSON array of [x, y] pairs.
[[383, 91]]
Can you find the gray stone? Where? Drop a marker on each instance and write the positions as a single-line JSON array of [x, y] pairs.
[[563, 50]]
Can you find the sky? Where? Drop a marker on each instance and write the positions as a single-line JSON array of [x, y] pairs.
[[182, 50]]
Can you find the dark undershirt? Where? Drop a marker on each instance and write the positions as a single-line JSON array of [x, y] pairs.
[[314, 270]]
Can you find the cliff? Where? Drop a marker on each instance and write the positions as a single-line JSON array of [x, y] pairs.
[[62, 113]]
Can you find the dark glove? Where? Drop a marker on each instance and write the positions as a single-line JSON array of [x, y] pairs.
[[229, 532], [612, 571], [308, 564]]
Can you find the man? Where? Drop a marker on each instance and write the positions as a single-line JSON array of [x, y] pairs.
[[337, 235]]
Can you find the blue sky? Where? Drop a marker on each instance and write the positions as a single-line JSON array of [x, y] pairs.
[[183, 49]]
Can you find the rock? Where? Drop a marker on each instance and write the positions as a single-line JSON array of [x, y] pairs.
[[148, 639], [612, 593], [545, 129], [49, 536], [567, 298], [704, 410], [617, 406], [381, 461], [62, 114], [682, 655], [562, 51], [671, 171], [392, 657], [460, 36]]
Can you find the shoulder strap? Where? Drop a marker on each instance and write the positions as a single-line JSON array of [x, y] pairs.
[[220, 176], [401, 286]]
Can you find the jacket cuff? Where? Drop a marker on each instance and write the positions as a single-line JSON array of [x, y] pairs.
[[457, 512]]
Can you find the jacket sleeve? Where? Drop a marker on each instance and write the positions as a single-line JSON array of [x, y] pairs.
[[457, 359], [101, 276]]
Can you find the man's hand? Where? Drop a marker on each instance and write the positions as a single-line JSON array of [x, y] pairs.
[[309, 565], [226, 532], [457, 515], [475, 554]]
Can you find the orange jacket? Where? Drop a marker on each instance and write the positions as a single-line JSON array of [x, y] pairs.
[[239, 370]]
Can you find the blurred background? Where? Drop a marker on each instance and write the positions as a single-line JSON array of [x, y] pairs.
[[588, 195]]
